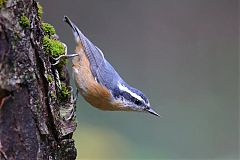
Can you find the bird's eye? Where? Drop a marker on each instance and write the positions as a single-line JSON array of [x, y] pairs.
[[138, 102]]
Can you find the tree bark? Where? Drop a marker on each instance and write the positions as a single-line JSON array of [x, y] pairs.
[[34, 122]]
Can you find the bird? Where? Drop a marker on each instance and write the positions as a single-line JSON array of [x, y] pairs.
[[99, 83]]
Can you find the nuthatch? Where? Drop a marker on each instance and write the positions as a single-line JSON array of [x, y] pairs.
[[99, 83]]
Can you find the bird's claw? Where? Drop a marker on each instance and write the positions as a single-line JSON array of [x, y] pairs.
[[74, 96], [57, 59]]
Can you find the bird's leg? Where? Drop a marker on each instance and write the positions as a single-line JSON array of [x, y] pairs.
[[73, 102], [63, 56], [75, 97]]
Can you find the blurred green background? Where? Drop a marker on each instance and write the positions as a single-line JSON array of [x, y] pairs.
[[183, 54]]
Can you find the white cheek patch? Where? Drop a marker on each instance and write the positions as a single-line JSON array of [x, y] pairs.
[[123, 88]]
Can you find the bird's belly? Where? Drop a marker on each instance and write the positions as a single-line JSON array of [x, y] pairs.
[[93, 92]]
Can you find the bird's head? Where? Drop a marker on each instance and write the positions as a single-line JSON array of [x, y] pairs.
[[132, 99]]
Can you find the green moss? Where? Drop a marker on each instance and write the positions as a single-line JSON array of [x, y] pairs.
[[24, 22], [49, 78], [53, 95], [64, 92], [2, 2], [40, 10], [48, 29], [62, 73], [53, 47]]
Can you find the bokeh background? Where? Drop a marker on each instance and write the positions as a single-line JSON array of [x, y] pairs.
[[183, 54]]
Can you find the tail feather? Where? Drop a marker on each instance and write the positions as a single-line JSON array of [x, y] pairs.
[[93, 53]]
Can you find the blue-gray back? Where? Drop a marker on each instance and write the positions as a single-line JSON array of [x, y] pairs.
[[101, 69]]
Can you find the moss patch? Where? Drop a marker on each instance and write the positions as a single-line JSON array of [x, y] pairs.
[[24, 22], [64, 92], [49, 78], [53, 47], [48, 29], [40, 10], [2, 2], [53, 95]]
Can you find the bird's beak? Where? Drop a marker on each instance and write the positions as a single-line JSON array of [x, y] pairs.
[[150, 110]]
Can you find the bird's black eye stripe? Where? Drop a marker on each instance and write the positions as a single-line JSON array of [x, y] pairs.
[[138, 102], [127, 96], [120, 94]]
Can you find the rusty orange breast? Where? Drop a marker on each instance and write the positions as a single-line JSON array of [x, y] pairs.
[[93, 92]]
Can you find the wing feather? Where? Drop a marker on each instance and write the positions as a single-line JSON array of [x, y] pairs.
[[101, 69]]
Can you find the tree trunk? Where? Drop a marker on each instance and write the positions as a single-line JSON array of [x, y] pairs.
[[35, 122]]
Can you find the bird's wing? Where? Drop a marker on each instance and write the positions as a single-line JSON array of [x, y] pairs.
[[93, 54], [101, 69]]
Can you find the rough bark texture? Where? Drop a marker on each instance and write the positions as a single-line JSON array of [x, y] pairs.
[[34, 122]]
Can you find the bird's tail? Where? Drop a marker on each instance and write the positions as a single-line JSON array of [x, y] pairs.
[[76, 32]]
